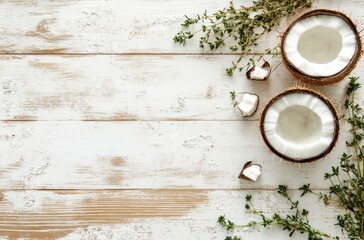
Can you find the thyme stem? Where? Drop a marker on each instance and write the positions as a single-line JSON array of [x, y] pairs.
[[240, 29]]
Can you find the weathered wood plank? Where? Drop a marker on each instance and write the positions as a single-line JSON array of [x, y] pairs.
[[129, 155], [115, 26], [132, 88], [143, 214], [160, 146]]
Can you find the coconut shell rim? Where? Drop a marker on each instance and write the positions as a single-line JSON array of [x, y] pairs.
[[326, 80], [327, 102]]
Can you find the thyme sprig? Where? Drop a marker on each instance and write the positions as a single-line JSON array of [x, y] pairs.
[[295, 222], [346, 186], [240, 28], [233, 96], [347, 179]]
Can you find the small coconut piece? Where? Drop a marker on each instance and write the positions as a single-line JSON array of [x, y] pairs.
[[300, 125], [249, 104], [259, 73], [321, 47], [250, 171]]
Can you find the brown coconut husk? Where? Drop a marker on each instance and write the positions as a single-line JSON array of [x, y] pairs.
[[329, 79], [304, 91]]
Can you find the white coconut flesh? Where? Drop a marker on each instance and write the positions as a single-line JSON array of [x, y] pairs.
[[259, 73], [320, 45], [252, 172], [248, 104], [299, 125]]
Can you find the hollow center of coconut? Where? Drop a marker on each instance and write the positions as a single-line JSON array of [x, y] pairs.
[[320, 44], [299, 125]]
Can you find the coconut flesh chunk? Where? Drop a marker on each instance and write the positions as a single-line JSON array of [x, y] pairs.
[[253, 172], [250, 171], [320, 45], [299, 126], [248, 104], [259, 73]]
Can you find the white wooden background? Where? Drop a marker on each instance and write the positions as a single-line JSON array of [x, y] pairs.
[[110, 131]]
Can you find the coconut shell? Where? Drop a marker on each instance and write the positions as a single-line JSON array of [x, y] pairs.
[[329, 79], [305, 91]]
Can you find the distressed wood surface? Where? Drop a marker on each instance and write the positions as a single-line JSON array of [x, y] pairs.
[[111, 27], [152, 155], [143, 214], [109, 130], [134, 88]]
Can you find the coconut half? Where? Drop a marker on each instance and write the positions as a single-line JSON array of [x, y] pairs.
[[300, 125], [321, 47]]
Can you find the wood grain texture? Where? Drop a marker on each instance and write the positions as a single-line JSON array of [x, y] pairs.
[[142, 214], [152, 155], [109, 130], [112, 27], [133, 88]]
